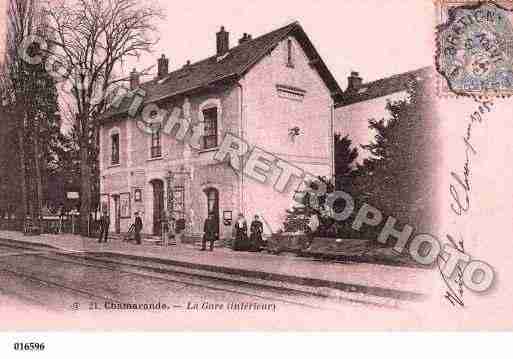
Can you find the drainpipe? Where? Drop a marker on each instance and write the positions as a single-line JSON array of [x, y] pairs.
[[241, 134], [332, 141]]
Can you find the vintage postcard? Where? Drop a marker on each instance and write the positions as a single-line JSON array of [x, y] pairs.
[[230, 165]]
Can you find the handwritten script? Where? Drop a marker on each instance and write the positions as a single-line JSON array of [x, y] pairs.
[[460, 195]]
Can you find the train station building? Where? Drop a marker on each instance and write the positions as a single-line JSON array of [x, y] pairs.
[[273, 91]]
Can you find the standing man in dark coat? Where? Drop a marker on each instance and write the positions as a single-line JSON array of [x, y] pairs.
[[104, 227], [138, 225], [210, 232]]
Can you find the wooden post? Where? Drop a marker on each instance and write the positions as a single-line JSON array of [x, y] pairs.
[[162, 233]]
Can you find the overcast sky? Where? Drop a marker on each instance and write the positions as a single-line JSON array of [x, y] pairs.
[[374, 37]]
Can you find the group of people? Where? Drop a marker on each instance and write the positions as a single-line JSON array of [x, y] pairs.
[[241, 241], [252, 243], [136, 227]]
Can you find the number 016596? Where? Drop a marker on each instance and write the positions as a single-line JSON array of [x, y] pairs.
[[29, 346]]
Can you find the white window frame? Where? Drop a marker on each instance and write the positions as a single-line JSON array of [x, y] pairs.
[[206, 105], [114, 131]]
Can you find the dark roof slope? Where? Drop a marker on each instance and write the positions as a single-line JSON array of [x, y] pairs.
[[6, 122], [383, 87], [236, 63]]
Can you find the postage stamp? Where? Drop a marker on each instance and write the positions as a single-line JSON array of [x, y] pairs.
[[474, 48]]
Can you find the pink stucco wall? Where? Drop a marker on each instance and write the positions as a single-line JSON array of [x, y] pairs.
[[264, 120], [353, 120], [268, 117], [194, 170]]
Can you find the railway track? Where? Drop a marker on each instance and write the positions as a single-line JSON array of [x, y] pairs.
[[172, 275]]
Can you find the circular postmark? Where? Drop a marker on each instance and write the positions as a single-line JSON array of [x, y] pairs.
[[475, 50]]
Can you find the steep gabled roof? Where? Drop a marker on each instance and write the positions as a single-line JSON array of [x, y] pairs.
[[235, 64], [383, 87]]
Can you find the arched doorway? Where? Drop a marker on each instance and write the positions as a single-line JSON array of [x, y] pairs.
[[158, 205], [213, 204]]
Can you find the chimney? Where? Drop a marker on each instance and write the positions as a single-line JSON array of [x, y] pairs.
[[244, 38], [134, 79], [163, 67], [354, 82], [222, 41]]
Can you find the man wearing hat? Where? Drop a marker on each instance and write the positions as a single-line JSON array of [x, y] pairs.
[[210, 232], [104, 226], [138, 225]]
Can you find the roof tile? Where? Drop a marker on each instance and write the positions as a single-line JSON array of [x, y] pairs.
[[383, 87], [209, 70]]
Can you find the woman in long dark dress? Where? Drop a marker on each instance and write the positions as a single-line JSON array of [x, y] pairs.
[[256, 229], [241, 234]]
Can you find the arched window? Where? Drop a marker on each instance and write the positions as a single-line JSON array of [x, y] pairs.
[[213, 205]]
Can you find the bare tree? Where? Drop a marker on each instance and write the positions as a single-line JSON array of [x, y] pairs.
[[93, 38]]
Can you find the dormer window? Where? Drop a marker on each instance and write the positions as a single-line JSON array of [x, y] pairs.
[[115, 149], [290, 53]]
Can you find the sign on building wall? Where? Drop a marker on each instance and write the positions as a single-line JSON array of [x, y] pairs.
[[178, 202], [137, 195], [124, 205], [72, 195]]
